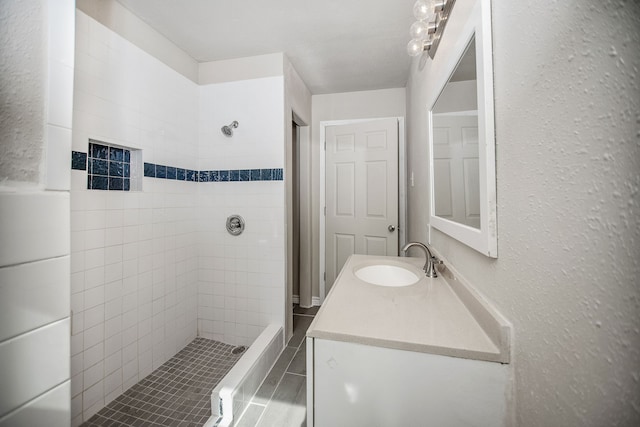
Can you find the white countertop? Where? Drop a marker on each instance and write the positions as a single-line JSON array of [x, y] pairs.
[[428, 316]]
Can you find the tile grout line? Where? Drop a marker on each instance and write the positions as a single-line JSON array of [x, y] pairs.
[[298, 375], [279, 380]]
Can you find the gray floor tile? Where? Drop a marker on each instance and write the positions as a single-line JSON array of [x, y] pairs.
[[251, 416], [175, 394], [284, 394], [270, 383], [287, 407], [299, 363], [300, 326], [310, 311]]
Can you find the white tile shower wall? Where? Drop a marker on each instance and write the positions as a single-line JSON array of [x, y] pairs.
[[241, 283], [125, 96], [141, 261], [258, 141], [133, 254], [240, 278], [133, 290]]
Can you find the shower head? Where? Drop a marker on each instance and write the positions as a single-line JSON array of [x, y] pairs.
[[228, 130]]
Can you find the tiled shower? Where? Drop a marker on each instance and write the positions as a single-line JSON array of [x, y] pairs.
[[152, 265]]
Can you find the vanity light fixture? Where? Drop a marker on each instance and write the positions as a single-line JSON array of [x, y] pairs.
[[426, 32]]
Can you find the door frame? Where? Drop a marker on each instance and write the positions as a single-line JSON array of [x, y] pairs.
[[402, 189]]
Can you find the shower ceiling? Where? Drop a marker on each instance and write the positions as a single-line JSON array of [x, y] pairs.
[[335, 45]]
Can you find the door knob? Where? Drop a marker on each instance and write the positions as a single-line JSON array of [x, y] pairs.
[[391, 228]]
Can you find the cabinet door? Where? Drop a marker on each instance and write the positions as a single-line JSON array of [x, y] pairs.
[[358, 385]]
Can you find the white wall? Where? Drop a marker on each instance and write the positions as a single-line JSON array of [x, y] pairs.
[[36, 78], [241, 278], [134, 259], [297, 106], [568, 219], [237, 69], [344, 106]]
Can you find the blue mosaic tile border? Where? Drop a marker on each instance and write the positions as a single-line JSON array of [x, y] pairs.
[[235, 175], [79, 160], [152, 170]]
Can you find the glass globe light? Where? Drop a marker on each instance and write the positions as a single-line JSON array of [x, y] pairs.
[[419, 30], [422, 9], [415, 47]]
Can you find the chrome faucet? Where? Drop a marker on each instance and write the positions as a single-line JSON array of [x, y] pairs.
[[429, 266]]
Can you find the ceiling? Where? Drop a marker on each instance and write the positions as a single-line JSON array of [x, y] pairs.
[[335, 45]]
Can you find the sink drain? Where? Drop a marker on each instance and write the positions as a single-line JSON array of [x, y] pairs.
[[238, 350]]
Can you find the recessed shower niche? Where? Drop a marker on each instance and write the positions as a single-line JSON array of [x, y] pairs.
[[114, 168]]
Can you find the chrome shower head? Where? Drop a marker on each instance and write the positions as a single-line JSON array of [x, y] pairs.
[[228, 130]]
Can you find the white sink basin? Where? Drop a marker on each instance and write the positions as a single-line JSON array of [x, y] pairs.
[[387, 275]]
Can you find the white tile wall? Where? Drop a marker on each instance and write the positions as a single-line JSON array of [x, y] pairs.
[[126, 97], [60, 94], [134, 303], [151, 269], [240, 278], [49, 409], [133, 254], [258, 142], [58, 148], [35, 236], [33, 294], [33, 363], [241, 285]]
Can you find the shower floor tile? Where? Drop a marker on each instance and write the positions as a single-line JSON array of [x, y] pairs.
[[178, 393]]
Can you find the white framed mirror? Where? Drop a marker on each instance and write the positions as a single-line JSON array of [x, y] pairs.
[[462, 137]]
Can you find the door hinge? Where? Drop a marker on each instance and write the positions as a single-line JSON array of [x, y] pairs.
[[324, 275], [325, 145], [325, 211]]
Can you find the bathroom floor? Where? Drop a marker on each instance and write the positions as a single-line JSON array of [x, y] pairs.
[[178, 393], [281, 400]]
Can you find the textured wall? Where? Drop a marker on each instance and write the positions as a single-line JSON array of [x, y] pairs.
[[22, 90], [568, 173]]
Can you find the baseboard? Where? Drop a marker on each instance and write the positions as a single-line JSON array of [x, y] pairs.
[[315, 301]]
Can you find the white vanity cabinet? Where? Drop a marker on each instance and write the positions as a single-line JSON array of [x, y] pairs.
[[429, 354], [358, 385]]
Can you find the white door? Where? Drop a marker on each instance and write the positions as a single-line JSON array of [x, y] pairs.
[[361, 192], [455, 168]]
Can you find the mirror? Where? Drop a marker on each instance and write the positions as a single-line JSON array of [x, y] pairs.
[[462, 137], [456, 180]]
